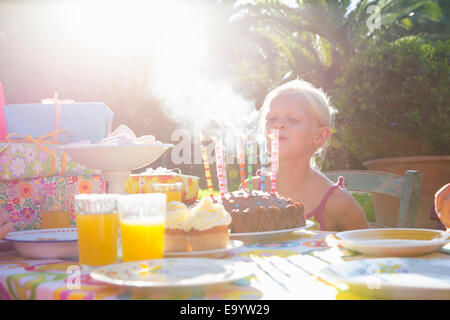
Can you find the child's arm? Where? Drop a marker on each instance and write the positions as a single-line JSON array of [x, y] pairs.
[[345, 211], [5, 226]]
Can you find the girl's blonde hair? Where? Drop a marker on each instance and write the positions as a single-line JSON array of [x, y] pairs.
[[317, 101]]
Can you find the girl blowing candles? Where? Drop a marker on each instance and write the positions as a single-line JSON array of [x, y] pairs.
[[302, 115]]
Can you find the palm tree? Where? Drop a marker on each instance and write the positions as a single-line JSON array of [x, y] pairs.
[[314, 39]]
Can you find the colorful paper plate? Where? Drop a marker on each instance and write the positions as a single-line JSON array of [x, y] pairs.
[[45, 243], [394, 278], [391, 242], [266, 235], [170, 273], [217, 253]]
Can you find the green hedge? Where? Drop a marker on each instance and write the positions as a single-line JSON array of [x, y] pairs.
[[393, 100]]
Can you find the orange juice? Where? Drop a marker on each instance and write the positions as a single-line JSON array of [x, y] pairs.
[[142, 239], [97, 238], [55, 219], [173, 195]]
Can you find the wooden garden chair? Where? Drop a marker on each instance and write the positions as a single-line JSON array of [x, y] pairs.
[[406, 188]]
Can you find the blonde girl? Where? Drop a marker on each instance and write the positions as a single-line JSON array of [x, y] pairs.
[[303, 116]]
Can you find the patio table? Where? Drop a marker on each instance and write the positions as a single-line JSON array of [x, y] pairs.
[[285, 268]]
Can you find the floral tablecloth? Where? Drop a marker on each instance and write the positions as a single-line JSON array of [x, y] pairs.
[[286, 268]]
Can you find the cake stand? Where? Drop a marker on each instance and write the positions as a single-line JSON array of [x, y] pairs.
[[115, 161]]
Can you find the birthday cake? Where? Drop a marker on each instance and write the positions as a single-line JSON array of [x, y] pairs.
[[259, 211]]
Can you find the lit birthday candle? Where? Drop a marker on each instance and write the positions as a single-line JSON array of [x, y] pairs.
[[250, 166], [241, 159], [207, 170], [219, 166], [263, 165], [225, 183], [275, 153]]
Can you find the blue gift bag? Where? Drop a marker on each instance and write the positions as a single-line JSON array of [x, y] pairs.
[[83, 120]]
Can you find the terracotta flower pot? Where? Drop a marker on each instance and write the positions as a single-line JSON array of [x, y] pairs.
[[436, 173]]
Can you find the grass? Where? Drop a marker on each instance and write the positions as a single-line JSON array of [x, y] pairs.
[[364, 200]]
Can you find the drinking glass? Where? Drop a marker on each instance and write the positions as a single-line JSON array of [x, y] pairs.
[[98, 228], [173, 191], [55, 205], [142, 219]]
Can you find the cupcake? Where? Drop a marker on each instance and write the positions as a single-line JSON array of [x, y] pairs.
[[207, 227], [174, 236]]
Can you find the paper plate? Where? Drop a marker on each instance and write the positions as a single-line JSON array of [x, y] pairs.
[[266, 235], [394, 278], [217, 253], [391, 242], [169, 273], [45, 243]]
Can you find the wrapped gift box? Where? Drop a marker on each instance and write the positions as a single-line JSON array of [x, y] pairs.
[[29, 160], [142, 183], [83, 120], [20, 197]]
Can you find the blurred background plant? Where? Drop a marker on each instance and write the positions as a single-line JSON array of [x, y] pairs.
[[393, 100], [320, 41]]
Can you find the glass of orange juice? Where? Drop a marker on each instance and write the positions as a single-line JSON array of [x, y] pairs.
[[142, 219], [171, 190], [55, 204], [98, 228]]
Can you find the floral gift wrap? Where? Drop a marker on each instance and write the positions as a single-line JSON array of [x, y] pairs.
[[20, 197], [142, 183], [28, 160]]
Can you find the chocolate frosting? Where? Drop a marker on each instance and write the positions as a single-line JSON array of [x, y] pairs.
[[257, 211]]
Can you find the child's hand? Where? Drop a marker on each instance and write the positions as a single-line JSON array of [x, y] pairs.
[[5, 226], [442, 204]]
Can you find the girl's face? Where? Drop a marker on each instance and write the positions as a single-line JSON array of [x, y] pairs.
[[298, 127]]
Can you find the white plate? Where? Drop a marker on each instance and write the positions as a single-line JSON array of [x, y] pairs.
[[217, 253], [169, 273], [45, 243], [391, 241], [266, 235], [394, 278]]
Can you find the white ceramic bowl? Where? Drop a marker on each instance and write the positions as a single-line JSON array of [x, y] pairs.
[[116, 157], [61, 243]]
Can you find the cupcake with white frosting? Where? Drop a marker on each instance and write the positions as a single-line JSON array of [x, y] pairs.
[[207, 226], [174, 235]]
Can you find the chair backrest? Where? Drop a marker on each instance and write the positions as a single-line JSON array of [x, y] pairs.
[[406, 188]]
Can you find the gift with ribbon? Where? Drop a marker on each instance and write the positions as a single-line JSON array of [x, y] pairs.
[[21, 200], [32, 150], [142, 183], [84, 120], [29, 157]]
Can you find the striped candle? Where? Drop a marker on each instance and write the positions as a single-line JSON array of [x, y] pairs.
[[224, 157], [263, 165], [219, 166], [275, 154], [207, 170], [250, 166], [241, 160]]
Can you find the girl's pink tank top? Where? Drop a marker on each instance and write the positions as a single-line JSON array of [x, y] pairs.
[[317, 214]]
